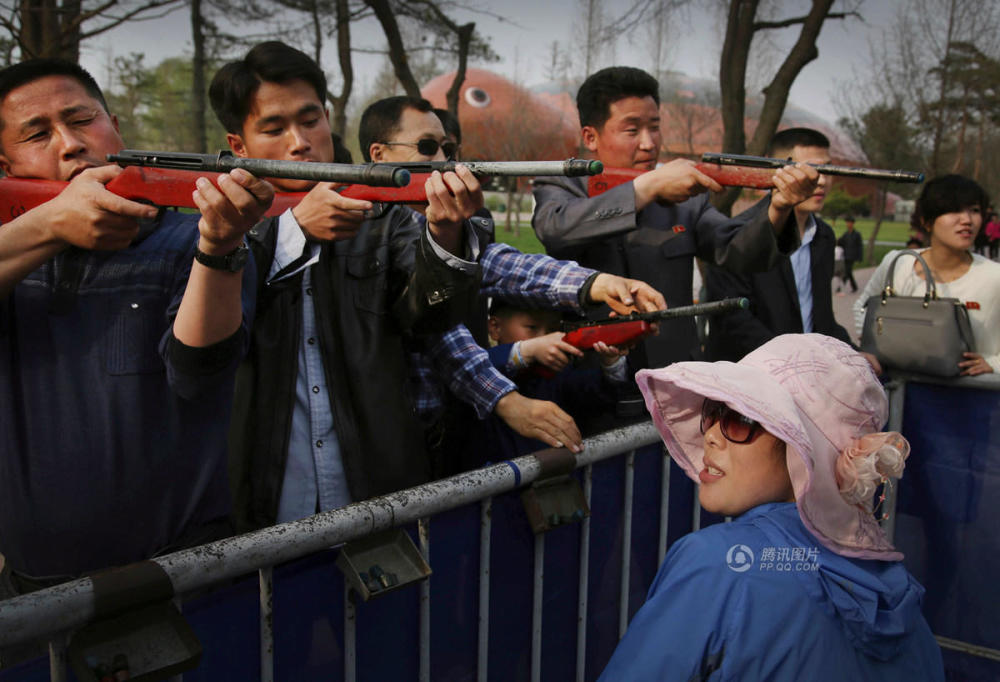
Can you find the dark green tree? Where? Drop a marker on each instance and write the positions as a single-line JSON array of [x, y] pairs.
[[888, 139]]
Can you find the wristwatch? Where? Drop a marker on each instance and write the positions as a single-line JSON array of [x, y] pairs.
[[231, 262]]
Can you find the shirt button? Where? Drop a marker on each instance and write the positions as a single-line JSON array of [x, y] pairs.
[[319, 443], [311, 341], [315, 389], [309, 291]]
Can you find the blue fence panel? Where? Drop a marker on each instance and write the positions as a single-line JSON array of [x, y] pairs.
[[947, 515], [308, 595], [308, 618]]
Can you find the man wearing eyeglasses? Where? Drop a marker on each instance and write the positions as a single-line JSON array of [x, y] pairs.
[[323, 416], [319, 418], [401, 129]]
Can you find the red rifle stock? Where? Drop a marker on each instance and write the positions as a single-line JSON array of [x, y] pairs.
[[754, 172], [727, 176], [625, 329], [169, 187]]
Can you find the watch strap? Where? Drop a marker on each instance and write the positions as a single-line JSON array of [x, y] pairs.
[[230, 262]]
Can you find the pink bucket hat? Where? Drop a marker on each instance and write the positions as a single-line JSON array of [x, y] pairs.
[[822, 399]]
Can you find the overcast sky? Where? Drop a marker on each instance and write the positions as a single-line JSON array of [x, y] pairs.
[[524, 41]]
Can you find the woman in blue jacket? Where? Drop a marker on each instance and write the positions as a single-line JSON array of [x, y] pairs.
[[802, 584]]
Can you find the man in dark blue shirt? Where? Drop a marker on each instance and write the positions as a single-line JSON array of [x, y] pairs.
[[120, 330]]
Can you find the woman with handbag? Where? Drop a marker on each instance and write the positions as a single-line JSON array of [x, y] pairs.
[[951, 210]]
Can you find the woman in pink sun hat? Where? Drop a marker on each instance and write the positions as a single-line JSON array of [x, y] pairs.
[[802, 584]]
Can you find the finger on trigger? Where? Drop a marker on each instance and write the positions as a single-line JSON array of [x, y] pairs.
[[112, 203]]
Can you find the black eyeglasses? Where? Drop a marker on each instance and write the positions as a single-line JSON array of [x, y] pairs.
[[429, 147], [735, 427]]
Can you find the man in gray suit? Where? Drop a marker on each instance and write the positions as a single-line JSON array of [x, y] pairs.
[[653, 227]]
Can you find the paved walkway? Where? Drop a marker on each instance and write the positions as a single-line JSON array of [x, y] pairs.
[[842, 304]]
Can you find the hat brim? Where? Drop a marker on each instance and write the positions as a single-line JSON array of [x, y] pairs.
[[674, 396]]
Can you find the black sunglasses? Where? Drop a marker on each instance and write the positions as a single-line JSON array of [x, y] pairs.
[[735, 427], [429, 147]]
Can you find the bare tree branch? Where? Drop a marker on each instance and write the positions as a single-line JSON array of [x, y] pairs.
[[785, 23]]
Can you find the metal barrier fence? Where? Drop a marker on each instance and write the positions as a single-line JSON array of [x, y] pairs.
[[49, 614], [946, 508], [503, 603]]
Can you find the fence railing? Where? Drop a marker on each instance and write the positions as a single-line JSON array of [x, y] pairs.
[[504, 603], [51, 613]]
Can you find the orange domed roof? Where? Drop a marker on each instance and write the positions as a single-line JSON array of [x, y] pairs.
[[502, 121]]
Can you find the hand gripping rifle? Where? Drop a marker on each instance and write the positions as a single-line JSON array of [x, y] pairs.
[[755, 172], [624, 329], [168, 178]]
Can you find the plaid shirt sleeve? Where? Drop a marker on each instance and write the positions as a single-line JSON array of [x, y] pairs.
[[467, 370], [532, 279]]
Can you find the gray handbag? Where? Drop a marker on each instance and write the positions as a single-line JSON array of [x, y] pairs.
[[923, 334]]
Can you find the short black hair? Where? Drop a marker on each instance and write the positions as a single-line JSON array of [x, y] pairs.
[[505, 308], [849, 219], [947, 194], [234, 86], [30, 70], [607, 86], [381, 119], [784, 141], [449, 122]]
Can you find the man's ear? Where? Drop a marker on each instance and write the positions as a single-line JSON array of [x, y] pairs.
[[236, 144], [590, 136], [375, 151], [114, 122]]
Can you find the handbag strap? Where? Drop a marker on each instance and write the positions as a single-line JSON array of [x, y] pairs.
[[931, 289]]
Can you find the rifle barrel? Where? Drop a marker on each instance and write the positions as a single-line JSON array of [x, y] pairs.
[[567, 168], [373, 174], [726, 305], [825, 168]]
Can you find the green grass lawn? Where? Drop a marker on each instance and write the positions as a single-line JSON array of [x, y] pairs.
[[889, 231], [526, 241]]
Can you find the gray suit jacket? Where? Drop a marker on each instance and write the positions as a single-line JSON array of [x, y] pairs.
[[656, 245]]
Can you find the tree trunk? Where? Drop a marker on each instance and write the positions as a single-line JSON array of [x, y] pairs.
[[945, 83], [346, 69], [510, 200], [464, 41], [776, 92], [517, 208], [977, 165], [881, 195], [732, 86], [397, 51], [317, 32], [198, 77], [732, 77], [41, 29], [956, 166]]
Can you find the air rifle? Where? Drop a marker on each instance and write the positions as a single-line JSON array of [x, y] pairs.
[[755, 172], [375, 175], [624, 329], [168, 178]]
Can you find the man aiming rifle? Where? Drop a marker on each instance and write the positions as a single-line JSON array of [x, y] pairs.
[[652, 227], [321, 417]]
